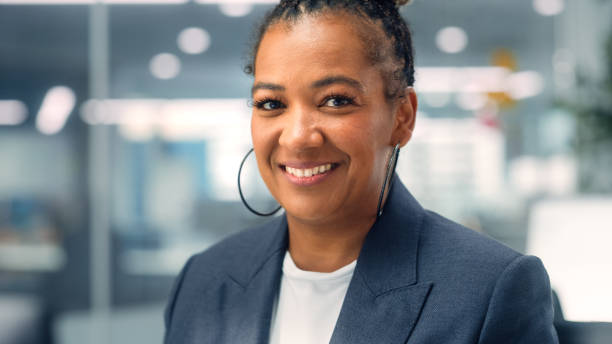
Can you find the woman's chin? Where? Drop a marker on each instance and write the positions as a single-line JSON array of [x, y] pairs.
[[311, 213]]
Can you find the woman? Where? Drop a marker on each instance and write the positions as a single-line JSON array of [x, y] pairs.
[[347, 262]]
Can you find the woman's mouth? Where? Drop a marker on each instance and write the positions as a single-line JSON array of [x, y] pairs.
[[308, 176]]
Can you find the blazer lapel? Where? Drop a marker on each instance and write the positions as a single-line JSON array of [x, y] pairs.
[[384, 301], [253, 287]]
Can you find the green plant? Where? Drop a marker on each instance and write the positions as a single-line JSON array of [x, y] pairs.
[[593, 141]]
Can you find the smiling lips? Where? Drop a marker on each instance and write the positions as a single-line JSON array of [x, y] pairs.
[[308, 172], [308, 176]]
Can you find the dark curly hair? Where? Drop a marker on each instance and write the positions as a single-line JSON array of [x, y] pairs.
[[383, 19]]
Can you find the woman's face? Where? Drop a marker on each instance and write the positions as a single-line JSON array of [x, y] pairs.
[[322, 128]]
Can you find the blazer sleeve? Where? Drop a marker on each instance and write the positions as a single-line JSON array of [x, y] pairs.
[[520, 309], [172, 298]]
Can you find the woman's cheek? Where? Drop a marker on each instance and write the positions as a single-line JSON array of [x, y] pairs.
[[264, 143]]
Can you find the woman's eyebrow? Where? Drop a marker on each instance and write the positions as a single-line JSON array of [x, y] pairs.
[[337, 79], [330, 80], [266, 86]]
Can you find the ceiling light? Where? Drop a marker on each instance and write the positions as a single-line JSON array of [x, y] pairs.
[[471, 101], [451, 39], [193, 40], [12, 112], [235, 10], [55, 109], [525, 84], [145, 2], [238, 1], [548, 7], [165, 66], [461, 79]]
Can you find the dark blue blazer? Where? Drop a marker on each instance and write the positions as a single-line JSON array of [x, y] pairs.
[[420, 278]]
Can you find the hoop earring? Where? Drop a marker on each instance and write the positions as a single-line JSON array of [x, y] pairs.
[[242, 196], [388, 177]]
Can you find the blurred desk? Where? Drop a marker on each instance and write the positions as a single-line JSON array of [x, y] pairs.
[[127, 325], [31, 257]]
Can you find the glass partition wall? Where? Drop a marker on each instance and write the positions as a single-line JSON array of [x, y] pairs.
[[121, 130], [123, 123], [44, 212]]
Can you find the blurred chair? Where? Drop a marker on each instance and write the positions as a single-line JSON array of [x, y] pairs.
[[573, 332]]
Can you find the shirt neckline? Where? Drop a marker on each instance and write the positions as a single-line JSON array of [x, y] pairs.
[[291, 270]]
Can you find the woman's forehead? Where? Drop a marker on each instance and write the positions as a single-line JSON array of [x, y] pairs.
[[311, 43]]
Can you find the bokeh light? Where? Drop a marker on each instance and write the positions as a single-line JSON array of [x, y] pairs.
[[193, 40], [165, 66], [452, 39]]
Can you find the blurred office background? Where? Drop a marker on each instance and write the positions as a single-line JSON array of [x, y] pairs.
[[123, 122]]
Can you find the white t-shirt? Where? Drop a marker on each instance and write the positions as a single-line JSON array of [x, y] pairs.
[[308, 304]]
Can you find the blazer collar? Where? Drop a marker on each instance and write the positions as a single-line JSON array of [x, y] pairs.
[[272, 241], [383, 301], [256, 275], [388, 257]]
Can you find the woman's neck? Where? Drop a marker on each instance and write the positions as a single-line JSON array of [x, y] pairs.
[[327, 247]]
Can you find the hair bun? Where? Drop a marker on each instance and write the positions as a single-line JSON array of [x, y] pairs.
[[399, 3]]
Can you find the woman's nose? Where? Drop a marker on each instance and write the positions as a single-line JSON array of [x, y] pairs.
[[300, 131]]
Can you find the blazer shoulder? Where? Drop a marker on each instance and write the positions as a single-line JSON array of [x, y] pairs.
[[447, 243], [520, 307], [508, 292]]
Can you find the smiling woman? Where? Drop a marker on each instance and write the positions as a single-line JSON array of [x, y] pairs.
[[332, 104], [319, 101]]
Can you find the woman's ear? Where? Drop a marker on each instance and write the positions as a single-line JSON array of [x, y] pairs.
[[405, 117]]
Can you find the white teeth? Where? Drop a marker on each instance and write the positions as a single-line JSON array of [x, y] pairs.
[[308, 172]]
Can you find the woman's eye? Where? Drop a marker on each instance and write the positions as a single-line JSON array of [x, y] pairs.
[[269, 105], [338, 101]]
